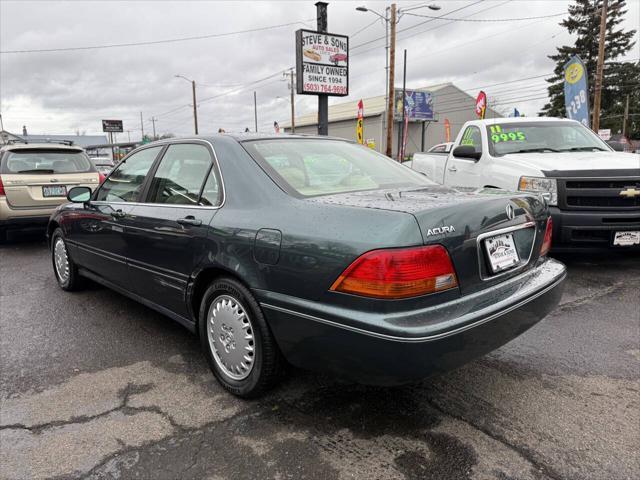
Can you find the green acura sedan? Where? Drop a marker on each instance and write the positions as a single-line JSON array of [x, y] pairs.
[[311, 251]]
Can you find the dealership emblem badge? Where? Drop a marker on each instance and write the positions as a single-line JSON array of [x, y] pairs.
[[630, 192], [511, 213]]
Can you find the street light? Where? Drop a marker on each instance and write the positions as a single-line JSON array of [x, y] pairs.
[[195, 107], [391, 18]]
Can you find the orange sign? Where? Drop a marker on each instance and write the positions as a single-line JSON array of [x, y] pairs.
[[447, 130]]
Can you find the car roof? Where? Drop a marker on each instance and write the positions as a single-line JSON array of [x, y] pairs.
[[35, 146], [493, 121], [240, 138]]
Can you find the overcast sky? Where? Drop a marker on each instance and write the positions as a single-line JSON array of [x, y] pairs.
[[65, 91]]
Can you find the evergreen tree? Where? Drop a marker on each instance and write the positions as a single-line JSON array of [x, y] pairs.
[[620, 78]]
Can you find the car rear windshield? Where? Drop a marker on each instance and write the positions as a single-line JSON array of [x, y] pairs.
[[542, 137], [46, 161], [311, 167]]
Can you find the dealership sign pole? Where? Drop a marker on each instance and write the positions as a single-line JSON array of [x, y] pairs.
[[322, 65], [111, 126], [576, 100]]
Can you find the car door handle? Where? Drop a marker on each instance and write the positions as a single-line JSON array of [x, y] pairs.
[[118, 214], [453, 169], [189, 220]]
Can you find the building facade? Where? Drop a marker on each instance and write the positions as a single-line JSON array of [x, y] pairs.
[[449, 102]]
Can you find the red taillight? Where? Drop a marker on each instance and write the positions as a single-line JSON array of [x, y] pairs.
[[2, 194], [398, 273], [546, 243], [101, 177]]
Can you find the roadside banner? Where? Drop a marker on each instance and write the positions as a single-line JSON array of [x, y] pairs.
[[576, 101], [481, 104], [447, 130], [360, 123]]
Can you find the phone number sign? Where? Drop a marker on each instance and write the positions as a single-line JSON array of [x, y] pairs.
[[322, 63]]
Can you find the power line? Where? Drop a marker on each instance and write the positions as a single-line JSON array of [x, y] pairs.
[[363, 29], [156, 42], [412, 26], [431, 29], [487, 19]]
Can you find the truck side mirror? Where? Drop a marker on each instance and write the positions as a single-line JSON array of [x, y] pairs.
[[467, 151]]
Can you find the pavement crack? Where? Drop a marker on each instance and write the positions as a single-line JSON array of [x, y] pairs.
[[592, 298], [125, 394]]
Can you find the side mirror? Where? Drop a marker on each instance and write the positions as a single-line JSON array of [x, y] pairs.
[[617, 146], [467, 151], [79, 194]]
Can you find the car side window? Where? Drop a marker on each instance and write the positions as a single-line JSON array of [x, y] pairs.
[[125, 183], [438, 149], [472, 137], [180, 175], [211, 194]]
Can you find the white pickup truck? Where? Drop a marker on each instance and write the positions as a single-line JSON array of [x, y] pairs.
[[593, 191]]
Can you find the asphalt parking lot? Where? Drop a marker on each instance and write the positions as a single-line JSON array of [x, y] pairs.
[[93, 385]]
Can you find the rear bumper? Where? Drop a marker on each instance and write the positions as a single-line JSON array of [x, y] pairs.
[[579, 230], [385, 349], [23, 218]]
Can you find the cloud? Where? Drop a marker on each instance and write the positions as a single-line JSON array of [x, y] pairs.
[[60, 92]]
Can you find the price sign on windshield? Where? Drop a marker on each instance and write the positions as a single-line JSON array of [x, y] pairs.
[[498, 134]]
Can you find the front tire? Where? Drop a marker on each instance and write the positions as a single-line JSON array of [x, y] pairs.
[[236, 339], [64, 268]]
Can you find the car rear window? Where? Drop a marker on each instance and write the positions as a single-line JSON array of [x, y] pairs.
[[46, 161], [311, 167]]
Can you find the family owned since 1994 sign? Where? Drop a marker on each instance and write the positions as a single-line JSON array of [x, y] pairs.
[[322, 63]]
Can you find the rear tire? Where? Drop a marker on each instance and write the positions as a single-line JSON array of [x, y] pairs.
[[236, 340], [64, 268]]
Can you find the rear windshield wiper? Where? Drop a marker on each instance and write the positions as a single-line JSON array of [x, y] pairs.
[[539, 149], [37, 170], [583, 149]]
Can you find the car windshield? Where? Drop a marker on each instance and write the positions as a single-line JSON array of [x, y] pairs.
[[46, 161], [542, 137], [313, 167]]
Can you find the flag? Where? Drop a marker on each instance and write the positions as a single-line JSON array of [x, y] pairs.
[[447, 130], [576, 100], [360, 123], [481, 104]]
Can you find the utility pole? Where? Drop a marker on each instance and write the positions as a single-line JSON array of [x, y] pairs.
[[391, 96], [255, 109], [626, 117], [142, 126], [597, 96], [195, 107], [153, 122], [129, 136], [323, 100], [292, 85]]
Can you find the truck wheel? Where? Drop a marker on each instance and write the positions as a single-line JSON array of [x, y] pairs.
[[236, 339], [64, 268]]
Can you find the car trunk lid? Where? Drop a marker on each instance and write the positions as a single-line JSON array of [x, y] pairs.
[[34, 190], [464, 221]]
